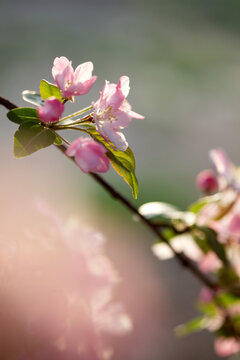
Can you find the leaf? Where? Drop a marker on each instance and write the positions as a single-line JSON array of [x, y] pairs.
[[31, 137], [214, 244], [196, 324], [32, 97], [57, 141], [20, 115], [226, 299], [160, 212], [198, 205], [122, 161], [47, 90]]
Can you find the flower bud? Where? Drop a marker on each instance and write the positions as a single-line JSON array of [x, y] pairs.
[[206, 182], [51, 111]]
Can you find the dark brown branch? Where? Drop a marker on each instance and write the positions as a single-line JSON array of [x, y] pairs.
[[7, 104], [182, 258]]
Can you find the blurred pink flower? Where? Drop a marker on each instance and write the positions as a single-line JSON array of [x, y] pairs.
[[89, 155], [51, 111], [56, 288], [228, 175], [206, 182], [209, 262], [226, 346], [113, 113], [70, 82]]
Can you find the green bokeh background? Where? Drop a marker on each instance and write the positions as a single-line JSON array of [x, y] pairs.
[[183, 59]]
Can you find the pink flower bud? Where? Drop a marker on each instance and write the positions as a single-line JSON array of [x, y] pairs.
[[89, 155], [51, 111], [226, 346], [206, 182]]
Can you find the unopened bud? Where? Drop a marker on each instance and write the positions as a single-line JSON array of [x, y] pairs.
[[206, 182]]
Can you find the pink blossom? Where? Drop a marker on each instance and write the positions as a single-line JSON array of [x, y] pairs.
[[70, 82], [51, 111], [89, 155], [206, 181], [227, 173], [209, 262], [226, 346], [112, 112]]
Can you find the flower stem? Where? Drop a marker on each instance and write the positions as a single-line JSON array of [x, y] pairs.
[[182, 258], [76, 113]]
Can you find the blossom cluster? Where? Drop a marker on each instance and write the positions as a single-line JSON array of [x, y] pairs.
[[111, 112], [56, 288], [209, 234]]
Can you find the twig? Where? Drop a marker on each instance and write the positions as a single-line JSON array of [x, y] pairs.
[[182, 258]]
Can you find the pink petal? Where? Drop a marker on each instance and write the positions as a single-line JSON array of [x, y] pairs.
[[62, 72], [123, 120], [80, 88], [135, 115], [209, 262], [117, 138], [222, 164], [83, 72], [123, 85], [89, 155], [51, 111], [226, 346]]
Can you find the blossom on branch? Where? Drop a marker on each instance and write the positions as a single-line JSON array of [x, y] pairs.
[[89, 155], [206, 182], [51, 111], [112, 112], [70, 82]]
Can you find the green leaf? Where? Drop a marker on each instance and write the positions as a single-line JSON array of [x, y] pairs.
[[196, 324], [198, 205], [32, 97], [31, 137], [214, 244], [123, 162], [47, 90], [226, 299], [20, 115], [58, 141]]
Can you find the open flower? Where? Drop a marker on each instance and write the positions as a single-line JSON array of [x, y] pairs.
[[112, 112], [70, 82], [89, 155], [51, 111]]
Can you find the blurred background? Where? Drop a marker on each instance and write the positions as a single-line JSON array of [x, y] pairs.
[[183, 59]]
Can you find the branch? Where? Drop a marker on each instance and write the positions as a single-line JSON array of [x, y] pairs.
[[182, 258]]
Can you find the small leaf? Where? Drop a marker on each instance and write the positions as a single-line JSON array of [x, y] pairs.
[[122, 161], [20, 115], [214, 244], [31, 137], [198, 205], [47, 90], [58, 141], [196, 324], [32, 97], [227, 299]]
